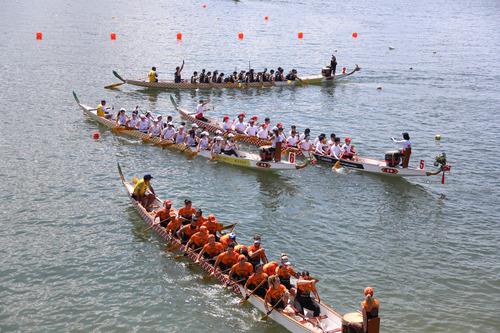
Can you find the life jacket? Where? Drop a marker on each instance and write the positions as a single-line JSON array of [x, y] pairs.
[[140, 188], [228, 259], [213, 250], [199, 238], [100, 110]]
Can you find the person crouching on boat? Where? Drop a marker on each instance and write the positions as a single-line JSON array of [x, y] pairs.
[[285, 271], [336, 150], [276, 295], [198, 239], [121, 119], [143, 124], [152, 75], [230, 147], [240, 126], [169, 132], [252, 128], [348, 151], [210, 250], [200, 109], [154, 130], [257, 280], [242, 270], [406, 151], [139, 194], [226, 259], [303, 300], [180, 135], [185, 232], [186, 213]]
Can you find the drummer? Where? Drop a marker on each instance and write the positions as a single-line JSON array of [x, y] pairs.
[[406, 152], [369, 307]]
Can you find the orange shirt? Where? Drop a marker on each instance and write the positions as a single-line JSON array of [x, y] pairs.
[[173, 225], [242, 270], [225, 240], [213, 250], [199, 239], [270, 268], [212, 226], [256, 278], [373, 306], [228, 259], [187, 213], [201, 221], [164, 213], [240, 247], [305, 288], [252, 249], [285, 271], [188, 231], [276, 293]]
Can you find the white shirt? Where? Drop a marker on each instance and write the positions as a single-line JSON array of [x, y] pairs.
[[347, 148], [143, 125], [204, 143], [229, 146], [276, 139], [168, 133], [217, 147], [191, 141], [227, 126], [240, 127], [155, 130], [319, 148], [263, 133], [305, 145], [336, 151], [200, 108], [179, 137], [251, 130], [292, 140], [122, 119], [133, 122]]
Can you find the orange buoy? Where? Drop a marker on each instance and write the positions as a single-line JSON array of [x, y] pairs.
[[354, 35], [179, 36], [241, 35], [112, 36], [96, 135], [266, 18], [39, 35], [300, 35]]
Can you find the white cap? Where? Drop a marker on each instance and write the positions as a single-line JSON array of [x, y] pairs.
[[194, 126], [218, 132], [170, 123], [182, 126], [204, 133], [230, 135], [218, 138], [123, 109], [142, 116]]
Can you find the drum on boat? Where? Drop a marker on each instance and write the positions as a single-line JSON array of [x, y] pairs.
[[265, 153], [326, 71], [392, 158], [352, 322]]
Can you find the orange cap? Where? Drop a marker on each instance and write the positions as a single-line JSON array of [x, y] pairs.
[[369, 291]]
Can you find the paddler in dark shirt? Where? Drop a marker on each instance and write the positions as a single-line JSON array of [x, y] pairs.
[[194, 78], [202, 76], [177, 75], [333, 65]]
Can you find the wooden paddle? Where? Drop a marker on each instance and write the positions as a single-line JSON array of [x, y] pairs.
[[253, 291], [121, 129], [229, 226], [264, 317], [114, 85]]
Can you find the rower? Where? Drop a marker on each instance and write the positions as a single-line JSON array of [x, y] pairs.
[[169, 132], [202, 76], [255, 281], [276, 295], [241, 270], [240, 126], [199, 219], [143, 124], [184, 233], [331, 142], [186, 212], [348, 151], [230, 147], [307, 132], [305, 144], [271, 76], [227, 239], [208, 77], [336, 150], [103, 111], [303, 300], [152, 75], [226, 259], [204, 142], [194, 78], [198, 239], [214, 76], [192, 140], [220, 79], [210, 250], [133, 121], [139, 193], [217, 146], [121, 119], [227, 125], [270, 268], [212, 225], [284, 271], [180, 135], [178, 71], [165, 214], [200, 109], [293, 138], [252, 129], [160, 122], [263, 132], [256, 253], [321, 145], [154, 130], [406, 151], [370, 308], [174, 225]]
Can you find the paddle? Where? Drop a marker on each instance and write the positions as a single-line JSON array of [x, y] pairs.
[[114, 85], [264, 317], [233, 282], [229, 226], [253, 291]]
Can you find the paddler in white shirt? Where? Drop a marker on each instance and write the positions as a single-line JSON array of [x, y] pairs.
[[321, 146], [204, 143], [230, 147], [348, 151], [133, 121], [263, 132], [307, 132], [331, 142], [240, 126], [227, 125], [121, 119], [305, 144], [180, 135], [160, 121], [406, 152], [252, 128], [217, 146], [154, 130], [293, 139], [200, 109], [169, 132], [143, 124], [336, 149]]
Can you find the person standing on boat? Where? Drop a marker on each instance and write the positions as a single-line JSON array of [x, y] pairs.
[[139, 194], [200, 109], [369, 307], [276, 295], [276, 143], [178, 71], [333, 65], [303, 300], [406, 151], [257, 279], [152, 75]]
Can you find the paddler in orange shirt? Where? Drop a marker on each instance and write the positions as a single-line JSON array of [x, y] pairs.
[[199, 218], [165, 214], [256, 253], [226, 259], [210, 250], [284, 271], [212, 225], [303, 300], [185, 233], [227, 239], [186, 212], [276, 295], [198, 239], [241, 270], [257, 279]]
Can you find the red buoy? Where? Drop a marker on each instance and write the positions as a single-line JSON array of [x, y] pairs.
[[343, 70], [204, 6], [179, 36], [113, 36], [39, 35], [266, 18], [241, 35], [300, 35], [96, 135], [354, 35]]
